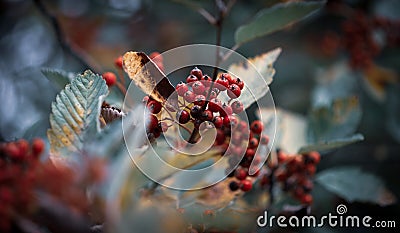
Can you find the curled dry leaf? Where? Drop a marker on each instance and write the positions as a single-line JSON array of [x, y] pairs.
[[149, 78]]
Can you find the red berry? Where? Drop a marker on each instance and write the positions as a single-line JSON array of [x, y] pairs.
[[213, 94], [246, 185], [198, 88], [230, 121], [282, 157], [110, 78], [152, 123], [191, 79], [225, 110], [306, 199], [195, 111], [222, 83], [264, 140], [37, 146], [227, 77], [118, 62], [214, 105], [23, 146], [200, 100], [250, 153], [145, 99], [233, 186], [240, 174], [237, 107], [220, 138], [206, 80], [197, 72], [239, 82], [314, 156], [183, 116], [218, 122], [181, 88], [234, 91], [253, 143], [310, 168], [207, 115], [154, 106], [257, 127], [189, 96]]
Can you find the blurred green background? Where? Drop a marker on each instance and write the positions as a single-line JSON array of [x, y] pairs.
[[101, 30]]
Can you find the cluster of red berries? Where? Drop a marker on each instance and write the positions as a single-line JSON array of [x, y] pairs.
[[200, 95], [359, 38], [252, 140], [18, 161], [294, 173], [154, 127]]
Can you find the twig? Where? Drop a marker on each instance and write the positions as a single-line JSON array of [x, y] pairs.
[[207, 16], [75, 52]]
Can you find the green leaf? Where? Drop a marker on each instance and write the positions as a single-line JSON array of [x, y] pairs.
[[250, 72], [275, 18], [59, 78], [331, 144], [338, 120], [74, 117], [353, 184]]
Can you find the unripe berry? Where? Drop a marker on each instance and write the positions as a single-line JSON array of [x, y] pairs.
[[154, 106], [118, 62], [234, 91], [257, 127], [189, 96], [237, 107], [183, 116], [246, 185], [181, 88], [110, 78], [197, 72], [198, 88]]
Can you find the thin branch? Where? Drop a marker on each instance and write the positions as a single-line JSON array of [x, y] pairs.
[[75, 52], [207, 15], [230, 52]]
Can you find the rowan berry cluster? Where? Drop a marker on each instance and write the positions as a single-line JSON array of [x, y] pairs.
[[253, 140], [294, 173], [360, 40], [18, 161]]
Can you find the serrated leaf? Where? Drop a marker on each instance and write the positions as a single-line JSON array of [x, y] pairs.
[[338, 120], [250, 72], [353, 184], [331, 144], [59, 78], [74, 117], [275, 18]]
